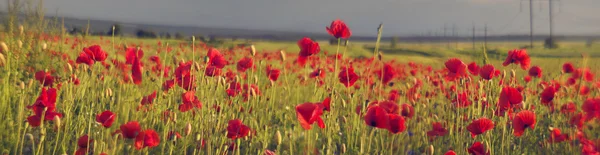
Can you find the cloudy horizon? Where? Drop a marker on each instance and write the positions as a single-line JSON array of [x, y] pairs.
[[409, 17]]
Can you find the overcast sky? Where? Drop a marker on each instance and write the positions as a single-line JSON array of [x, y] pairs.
[[400, 17]]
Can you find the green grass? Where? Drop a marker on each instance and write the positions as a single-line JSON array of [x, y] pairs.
[[272, 112]]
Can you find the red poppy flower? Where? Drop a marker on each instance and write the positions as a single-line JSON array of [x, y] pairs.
[[535, 71], [437, 130], [456, 69], [394, 95], [523, 120], [244, 64], [132, 53], [82, 151], [147, 138], [273, 73], [478, 149], [461, 100], [338, 29], [148, 99], [326, 104], [212, 71], [173, 135], [190, 101], [130, 129], [96, 52], [235, 129], [389, 106], [556, 136], [450, 152], [377, 117], [136, 71], [234, 89], [473, 68], [168, 85], [308, 48], [347, 76], [396, 123], [479, 126], [309, 113], [45, 78], [388, 73], [568, 67], [487, 72], [216, 58], [591, 107], [568, 108], [269, 152], [509, 98], [83, 141], [518, 57], [407, 110], [85, 58], [548, 95], [106, 118], [34, 120], [577, 120], [249, 91], [318, 73]]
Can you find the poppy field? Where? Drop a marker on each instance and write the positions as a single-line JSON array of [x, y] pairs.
[[64, 94]]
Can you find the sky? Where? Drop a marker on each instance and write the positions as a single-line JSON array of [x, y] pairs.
[[400, 17]]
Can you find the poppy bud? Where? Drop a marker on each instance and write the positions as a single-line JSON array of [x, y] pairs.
[[278, 137], [2, 60], [255, 79], [21, 30], [253, 50], [188, 129], [513, 73], [22, 85], [56, 123], [503, 74], [253, 92], [206, 59], [175, 62], [4, 46], [282, 55], [343, 148], [20, 44], [44, 46], [29, 137], [29, 83], [175, 117], [70, 67], [380, 55], [431, 150], [197, 66], [109, 92]]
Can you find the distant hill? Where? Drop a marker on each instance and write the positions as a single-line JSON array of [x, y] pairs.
[[103, 26]]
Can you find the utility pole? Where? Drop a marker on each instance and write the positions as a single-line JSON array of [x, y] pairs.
[[531, 23], [454, 36], [446, 38], [473, 39], [550, 16]]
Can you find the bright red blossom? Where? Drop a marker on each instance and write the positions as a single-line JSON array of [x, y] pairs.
[[338, 29], [523, 120], [106, 118]]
